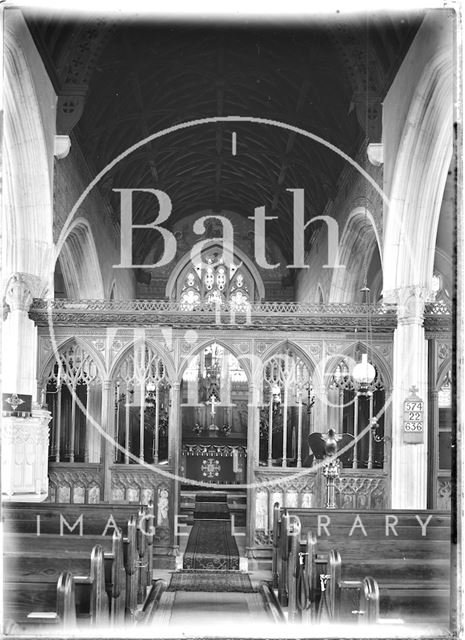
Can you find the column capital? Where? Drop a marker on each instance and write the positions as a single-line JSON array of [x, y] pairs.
[[410, 302], [18, 293]]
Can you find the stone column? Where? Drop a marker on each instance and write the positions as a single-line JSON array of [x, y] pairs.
[[174, 458], [174, 429], [94, 411], [108, 446], [19, 337], [25, 438], [409, 463], [253, 444]]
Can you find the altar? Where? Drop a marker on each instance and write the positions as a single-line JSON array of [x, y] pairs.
[[214, 462]]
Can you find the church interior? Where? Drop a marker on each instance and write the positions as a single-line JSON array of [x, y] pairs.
[[229, 278]]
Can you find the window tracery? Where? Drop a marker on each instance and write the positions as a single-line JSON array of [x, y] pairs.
[[214, 282]]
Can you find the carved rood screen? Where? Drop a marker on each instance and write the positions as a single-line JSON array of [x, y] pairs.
[[285, 412], [73, 394], [351, 408], [141, 405]]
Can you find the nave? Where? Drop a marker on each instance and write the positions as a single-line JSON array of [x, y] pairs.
[[96, 567], [283, 331]]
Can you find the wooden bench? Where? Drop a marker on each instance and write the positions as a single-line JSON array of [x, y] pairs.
[[315, 587], [89, 519], [64, 616], [93, 519], [33, 564], [34, 600], [407, 553], [32, 560]]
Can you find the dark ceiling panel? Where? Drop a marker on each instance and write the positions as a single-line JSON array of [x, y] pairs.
[[143, 77]]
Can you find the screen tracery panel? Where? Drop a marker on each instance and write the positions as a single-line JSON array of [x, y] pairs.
[[73, 393], [351, 410], [141, 407], [285, 412]]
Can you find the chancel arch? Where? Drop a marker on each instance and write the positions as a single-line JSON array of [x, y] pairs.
[[214, 415]]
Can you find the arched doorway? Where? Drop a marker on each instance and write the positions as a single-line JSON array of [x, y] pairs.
[[214, 418]]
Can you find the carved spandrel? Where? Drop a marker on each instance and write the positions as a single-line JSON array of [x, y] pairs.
[[444, 350]]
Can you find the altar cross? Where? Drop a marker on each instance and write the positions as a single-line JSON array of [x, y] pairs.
[[213, 402]]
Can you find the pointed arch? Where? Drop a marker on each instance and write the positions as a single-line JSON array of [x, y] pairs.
[[359, 241], [62, 346], [287, 396], [28, 162], [360, 413], [375, 358], [420, 175], [281, 347], [163, 355], [73, 387], [80, 264], [200, 346], [141, 382]]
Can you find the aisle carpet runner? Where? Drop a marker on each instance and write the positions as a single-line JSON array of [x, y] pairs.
[[210, 544], [211, 507], [211, 581]]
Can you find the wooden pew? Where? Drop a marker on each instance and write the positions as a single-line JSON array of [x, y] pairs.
[[32, 564], [54, 517], [397, 531], [373, 534], [412, 570], [95, 519], [64, 617], [323, 584], [340, 608], [33, 602]]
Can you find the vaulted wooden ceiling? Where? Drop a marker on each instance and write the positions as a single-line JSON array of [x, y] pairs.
[[120, 82]]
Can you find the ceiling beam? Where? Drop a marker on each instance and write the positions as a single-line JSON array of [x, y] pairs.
[[144, 127], [220, 82]]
